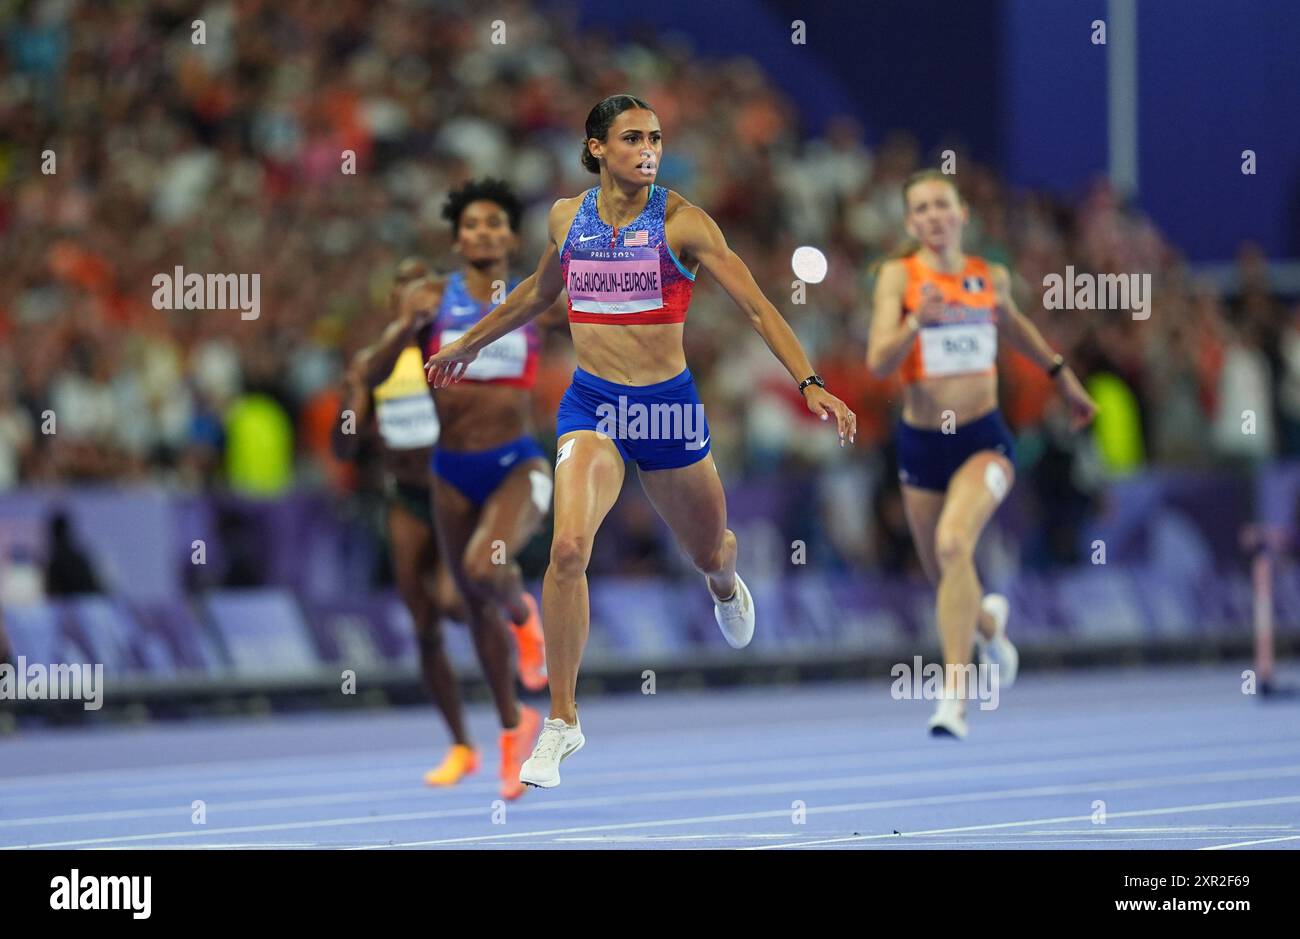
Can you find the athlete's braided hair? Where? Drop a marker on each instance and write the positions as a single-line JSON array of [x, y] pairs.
[[490, 190], [599, 120]]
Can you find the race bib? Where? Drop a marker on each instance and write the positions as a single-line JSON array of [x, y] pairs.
[[407, 423], [507, 357], [615, 280], [958, 348]]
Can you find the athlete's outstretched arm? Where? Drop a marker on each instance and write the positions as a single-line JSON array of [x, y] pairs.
[[1024, 335], [703, 240], [374, 363], [346, 438], [528, 300], [891, 335]]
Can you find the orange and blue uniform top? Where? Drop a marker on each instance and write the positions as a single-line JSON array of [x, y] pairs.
[[509, 360], [966, 342], [627, 276]]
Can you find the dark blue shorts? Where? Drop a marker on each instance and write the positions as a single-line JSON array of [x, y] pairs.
[[478, 473], [928, 458], [660, 426]]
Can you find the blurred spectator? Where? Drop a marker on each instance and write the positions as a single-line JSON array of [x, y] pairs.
[[15, 435], [1118, 427], [259, 448], [1243, 425], [1289, 397], [6, 650], [243, 547], [67, 569]]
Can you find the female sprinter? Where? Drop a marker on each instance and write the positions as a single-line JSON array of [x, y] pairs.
[[392, 390], [491, 480], [628, 252], [937, 313]]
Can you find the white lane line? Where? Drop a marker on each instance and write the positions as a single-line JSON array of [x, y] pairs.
[[326, 769], [696, 837], [328, 772], [1246, 844], [664, 774], [236, 769], [1010, 843], [333, 777], [727, 791], [659, 773], [1008, 838], [216, 846], [1171, 829], [240, 768], [803, 786], [244, 829], [1136, 813], [419, 760], [950, 799]]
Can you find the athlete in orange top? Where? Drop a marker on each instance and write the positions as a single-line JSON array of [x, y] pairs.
[[938, 313]]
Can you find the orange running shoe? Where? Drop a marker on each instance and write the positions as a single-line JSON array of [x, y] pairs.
[[459, 761], [532, 648], [516, 745]]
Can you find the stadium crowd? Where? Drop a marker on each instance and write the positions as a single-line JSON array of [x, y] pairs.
[[132, 149]]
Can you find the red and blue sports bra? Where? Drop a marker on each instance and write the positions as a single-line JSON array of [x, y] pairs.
[[627, 276]]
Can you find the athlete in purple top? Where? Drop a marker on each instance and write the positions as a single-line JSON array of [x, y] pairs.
[[491, 481]]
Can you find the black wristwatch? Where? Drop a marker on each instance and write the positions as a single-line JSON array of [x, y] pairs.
[[811, 380], [1058, 363]]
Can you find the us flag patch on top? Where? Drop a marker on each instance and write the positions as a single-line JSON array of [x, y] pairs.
[[636, 239]]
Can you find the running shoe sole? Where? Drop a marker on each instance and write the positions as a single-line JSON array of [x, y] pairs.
[[563, 756]]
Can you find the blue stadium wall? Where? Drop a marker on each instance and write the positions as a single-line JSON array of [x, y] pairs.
[[1018, 83]]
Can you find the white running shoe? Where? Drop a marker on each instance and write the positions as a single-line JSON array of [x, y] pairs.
[[948, 720], [998, 651], [735, 616], [557, 741]]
